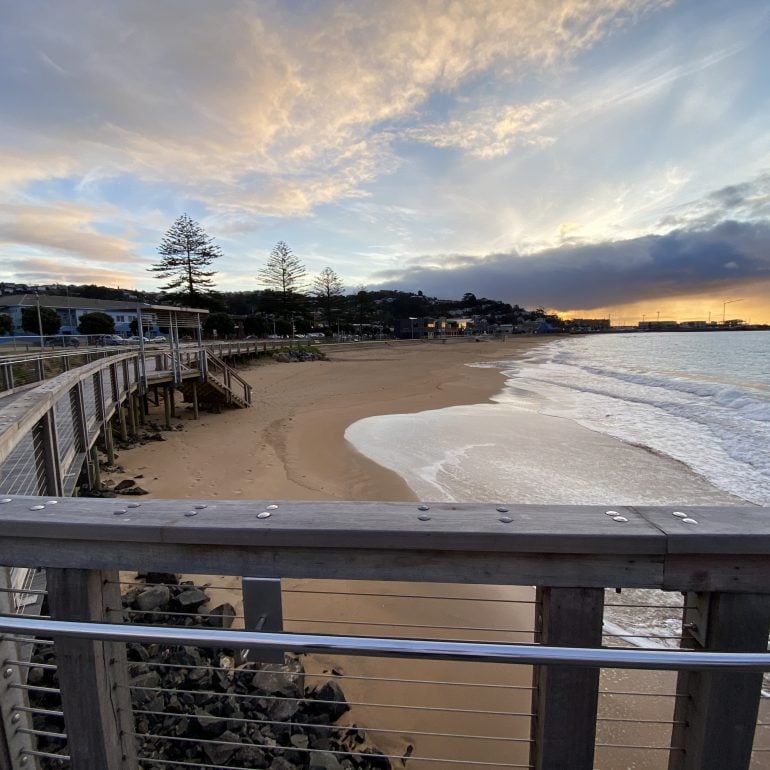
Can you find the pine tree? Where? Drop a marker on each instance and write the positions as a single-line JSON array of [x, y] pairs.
[[186, 251], [327, 286], [285, 274]]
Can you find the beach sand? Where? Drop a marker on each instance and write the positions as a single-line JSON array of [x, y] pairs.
[[291, 445]]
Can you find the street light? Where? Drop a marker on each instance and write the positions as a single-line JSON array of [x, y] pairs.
[[39, 319], [724, 307]]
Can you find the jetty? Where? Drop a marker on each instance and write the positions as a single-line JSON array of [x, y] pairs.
[[104, 670]]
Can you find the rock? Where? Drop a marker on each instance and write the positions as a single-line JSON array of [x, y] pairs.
[[275, 679], [218, 753], [299, 741], [319, 760], [125, 484], [337, 705], [134, 491], [190, 600], [250, 756], [279, 763], [153, 597], [169, 578], [221, 616]]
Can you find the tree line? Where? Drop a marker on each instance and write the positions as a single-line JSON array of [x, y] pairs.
[[290, 302]]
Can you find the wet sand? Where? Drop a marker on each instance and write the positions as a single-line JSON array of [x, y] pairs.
[[291, 445]]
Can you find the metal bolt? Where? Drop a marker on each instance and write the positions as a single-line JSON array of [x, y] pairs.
[[51, 502], [272, 507], [611, 513], [502, 509], [423, 517], [191, 513], [264, 515], [36, 507], [134, 505], [6, 500], [423, 507], [120, 512], [679, 514], [689, 521], [619, 518], [200, 506], [8, 673], [24, 759], [505, 519], [16, 717]]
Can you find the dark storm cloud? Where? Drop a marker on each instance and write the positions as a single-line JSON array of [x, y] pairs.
[[680, 262]]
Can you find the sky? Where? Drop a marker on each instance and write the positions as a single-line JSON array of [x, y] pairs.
[[594, 157]]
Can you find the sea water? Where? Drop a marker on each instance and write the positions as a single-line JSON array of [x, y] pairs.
[[700, 400]]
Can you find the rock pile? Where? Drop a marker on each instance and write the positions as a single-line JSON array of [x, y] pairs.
[[288, 356], [209, 706]]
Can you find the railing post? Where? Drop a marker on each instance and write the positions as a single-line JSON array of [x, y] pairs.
[[13, 743], [93, 675], [54, 484], [565, 698], [716, 711]]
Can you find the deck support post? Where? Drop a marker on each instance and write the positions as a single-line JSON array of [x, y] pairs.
[[96, 473], [131, 405], [716, 713], [167, 408], [93, 675], [122, 419], [196, 410], [109, 445], [565, 698]]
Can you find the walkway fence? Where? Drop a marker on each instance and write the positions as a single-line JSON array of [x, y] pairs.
[[358, 635]]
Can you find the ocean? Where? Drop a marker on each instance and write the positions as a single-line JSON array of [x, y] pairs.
[[692, 411]]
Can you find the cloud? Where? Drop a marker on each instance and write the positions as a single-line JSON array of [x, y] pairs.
[[46, 270], [66, 228], [493, 132], [251, 107], [602, 274]]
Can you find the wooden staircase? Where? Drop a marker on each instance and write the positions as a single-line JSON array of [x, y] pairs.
[[221, 385]]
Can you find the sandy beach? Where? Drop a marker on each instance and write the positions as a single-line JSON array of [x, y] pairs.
[[291, 445]]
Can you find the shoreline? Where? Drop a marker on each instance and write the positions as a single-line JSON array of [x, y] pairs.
[[291, 445]]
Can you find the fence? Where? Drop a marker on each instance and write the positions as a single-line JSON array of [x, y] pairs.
[[398, 636]]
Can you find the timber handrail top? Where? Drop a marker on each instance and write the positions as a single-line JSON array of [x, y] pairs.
[[388, 525]]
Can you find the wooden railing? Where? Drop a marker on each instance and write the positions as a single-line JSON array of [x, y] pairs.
[[717, 557]]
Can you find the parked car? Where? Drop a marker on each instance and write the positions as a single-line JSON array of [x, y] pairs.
[[63, 342], [158, 338], [109, 339], [135, 340]]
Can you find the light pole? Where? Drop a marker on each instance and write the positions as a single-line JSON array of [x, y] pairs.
[[724, 307], [39, 319]]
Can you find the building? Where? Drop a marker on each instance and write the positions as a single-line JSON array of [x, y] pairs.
[[72, 309]]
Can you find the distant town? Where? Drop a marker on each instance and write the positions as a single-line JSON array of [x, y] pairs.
[[57, 309]]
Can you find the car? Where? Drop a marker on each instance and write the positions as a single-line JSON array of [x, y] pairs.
[[158, 338], [63, 342], [109, 339], [134, 340]]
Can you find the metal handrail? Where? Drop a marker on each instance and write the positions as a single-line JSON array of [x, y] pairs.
[[668, 660]]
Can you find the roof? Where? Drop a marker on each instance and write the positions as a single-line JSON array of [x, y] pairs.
[[85, 303]]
